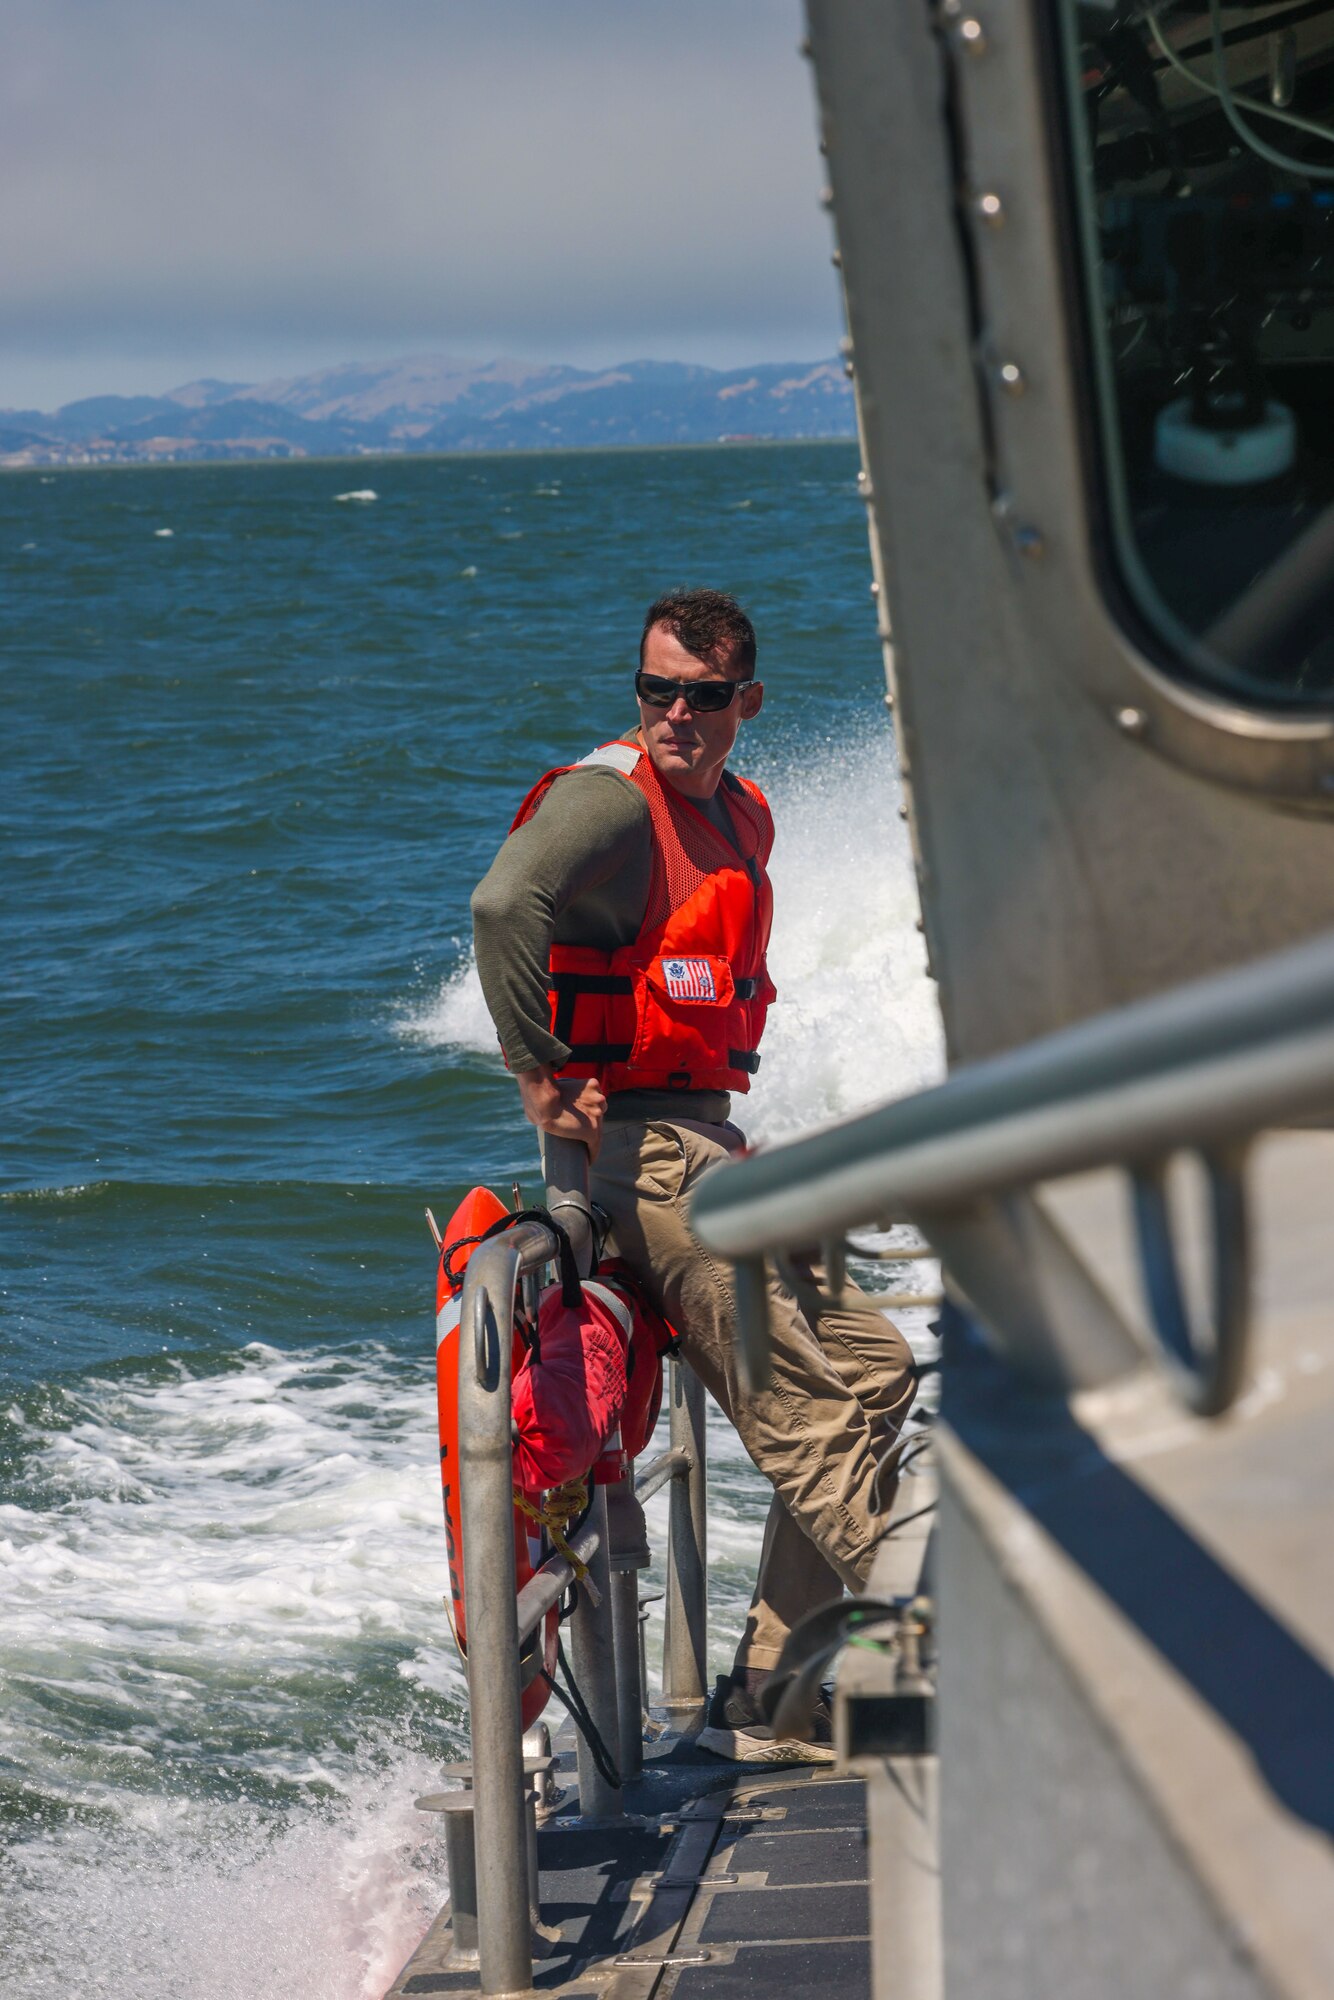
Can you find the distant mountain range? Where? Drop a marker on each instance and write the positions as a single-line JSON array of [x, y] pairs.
[[428, 403]]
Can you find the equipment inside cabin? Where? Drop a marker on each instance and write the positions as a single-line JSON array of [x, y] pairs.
[[1207, 218]]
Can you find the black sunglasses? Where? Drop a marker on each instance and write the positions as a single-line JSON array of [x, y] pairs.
[[700, 697]]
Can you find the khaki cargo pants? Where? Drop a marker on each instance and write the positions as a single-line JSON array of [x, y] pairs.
[[842, 1378]]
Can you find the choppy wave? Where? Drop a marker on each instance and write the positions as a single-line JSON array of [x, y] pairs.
[[225, 1675], [208, 1901], [856, 1019], [213, 1559]]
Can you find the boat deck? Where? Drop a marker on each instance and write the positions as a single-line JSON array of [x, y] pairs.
[[723, 1880]]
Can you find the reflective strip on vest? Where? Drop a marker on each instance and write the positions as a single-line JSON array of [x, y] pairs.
[[621, 756]]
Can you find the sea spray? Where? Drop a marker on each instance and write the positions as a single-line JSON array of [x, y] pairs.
[[204, 1556], [196, 1900], [856, 1019]]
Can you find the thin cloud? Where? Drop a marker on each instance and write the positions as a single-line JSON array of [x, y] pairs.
[[589, 179]]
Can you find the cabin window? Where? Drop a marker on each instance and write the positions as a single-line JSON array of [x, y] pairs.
[[1203, 145]]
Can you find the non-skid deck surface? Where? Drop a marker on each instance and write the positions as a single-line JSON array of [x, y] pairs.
[[725, 1883], [796, 1921], [586, 1875]]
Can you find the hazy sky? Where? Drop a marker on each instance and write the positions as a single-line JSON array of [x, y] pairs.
[[258, 187]]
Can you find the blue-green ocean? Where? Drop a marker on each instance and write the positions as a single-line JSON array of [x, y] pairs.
[[263, 727]]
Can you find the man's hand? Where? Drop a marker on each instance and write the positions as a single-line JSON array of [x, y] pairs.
[[568, 1107]]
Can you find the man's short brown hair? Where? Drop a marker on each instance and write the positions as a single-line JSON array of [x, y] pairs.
[[709, 624]]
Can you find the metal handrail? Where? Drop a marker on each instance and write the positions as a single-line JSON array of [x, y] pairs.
[[486, 1499], [500, 1619], [672, 1464], [1210, 1376], [1209, 1061], [1205, 1066], [549, 1584]]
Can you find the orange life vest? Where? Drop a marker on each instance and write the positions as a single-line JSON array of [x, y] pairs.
[[683, 1007]]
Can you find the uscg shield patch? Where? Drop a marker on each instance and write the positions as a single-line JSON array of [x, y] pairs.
[[688, 979]]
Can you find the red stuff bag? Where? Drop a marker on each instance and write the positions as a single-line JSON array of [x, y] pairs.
[[650, 1339], [569, 1392]]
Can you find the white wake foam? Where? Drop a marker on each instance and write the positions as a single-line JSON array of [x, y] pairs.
[[210, 1578], [188, 1901], [206, 1528], [856, 1019], [455, 1016]]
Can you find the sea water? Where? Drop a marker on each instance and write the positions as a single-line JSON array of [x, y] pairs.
[[252, 769]]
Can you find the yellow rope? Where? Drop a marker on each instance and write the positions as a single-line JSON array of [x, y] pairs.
[[561, 1506]]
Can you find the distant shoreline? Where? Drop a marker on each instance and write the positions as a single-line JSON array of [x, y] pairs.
[[49, 470], [429, 405]]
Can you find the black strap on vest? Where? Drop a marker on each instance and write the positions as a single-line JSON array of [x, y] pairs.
[[567, 986]]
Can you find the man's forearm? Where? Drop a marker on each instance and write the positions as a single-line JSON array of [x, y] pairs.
[[569, 1108]]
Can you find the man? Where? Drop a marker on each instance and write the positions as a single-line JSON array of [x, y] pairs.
[[620, 937]]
